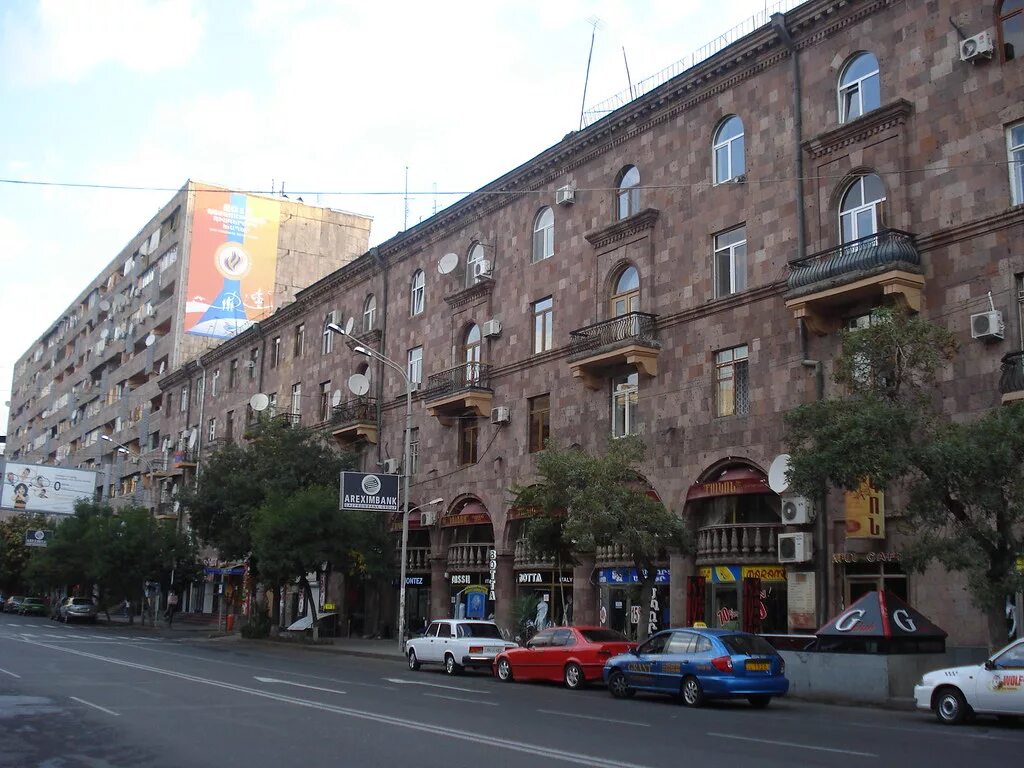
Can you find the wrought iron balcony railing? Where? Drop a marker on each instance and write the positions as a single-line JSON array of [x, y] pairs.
[[630, 328], [359, 409], [462, 377], [290, 419], [1011, 378], [887, 248]]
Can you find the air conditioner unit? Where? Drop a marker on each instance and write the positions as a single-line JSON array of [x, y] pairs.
[[391, 466], [428, 517], [565, 195], [492, 328], [501, 415], [976, 48], [795, 547], [987, 325], [481, 269], [797, 510]]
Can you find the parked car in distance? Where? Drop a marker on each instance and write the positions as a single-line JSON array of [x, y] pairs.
[[571, 655], [457, 644], [32, 606], [700, 664], [12, 603], [995, 687], [77, 609]]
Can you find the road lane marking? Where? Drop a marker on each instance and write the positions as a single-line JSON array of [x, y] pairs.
[[592, 717], [10, 673], [298, 685], [793, 744], [94, 706], [924, 730], [400, 681], [472, 737], [458, 698]]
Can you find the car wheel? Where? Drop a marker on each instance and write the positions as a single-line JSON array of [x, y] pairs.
[[759, 702], [414, 663], [504, 671], [573, 676], [618, 685], [693, 693], [950, 706], [450, 666]]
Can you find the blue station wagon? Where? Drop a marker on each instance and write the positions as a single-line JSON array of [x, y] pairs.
[[700, 664]]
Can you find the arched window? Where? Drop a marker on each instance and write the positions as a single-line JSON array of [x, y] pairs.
[[729, 150], [475, 263], [418, 292], [471, 353], [859, 89], [860, 212], [626, 295], [628, 196], [543, 235], [1010, 26], [369, 313]]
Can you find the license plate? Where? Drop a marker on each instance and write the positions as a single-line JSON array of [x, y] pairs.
[[758, 666], [492, 649]]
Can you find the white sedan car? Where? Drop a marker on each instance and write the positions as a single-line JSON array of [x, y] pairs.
[[993, 688], [457, 644]]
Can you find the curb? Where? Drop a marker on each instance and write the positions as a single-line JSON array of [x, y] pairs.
[[337, 650]]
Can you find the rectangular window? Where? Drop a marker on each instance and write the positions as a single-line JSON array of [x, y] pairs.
[[229, 426], [625, 396], [233, 373], [731, 395], [214, 382], [254, 361], [325, 400], [1020, 308], [200, 387], [300, 340], [327, 338], [415, 365], [272, 405], [543, 311], [469, 432], [731, 262], [1015, 150], [183, 407], [212, 433], [275, 352], [414, 450], [297, 398], [540, 422]]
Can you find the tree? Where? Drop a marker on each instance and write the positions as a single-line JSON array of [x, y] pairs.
[[959, 485], [583, 502], [14, 555]]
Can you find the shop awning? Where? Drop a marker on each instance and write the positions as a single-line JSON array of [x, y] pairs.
[[473, 513], [735, 481], [881, 615]]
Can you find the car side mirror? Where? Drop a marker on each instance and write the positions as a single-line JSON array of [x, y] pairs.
[[635, 651], [989, 664]]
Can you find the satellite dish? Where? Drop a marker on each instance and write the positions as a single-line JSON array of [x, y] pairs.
[[104, 333], [777, 473], [349, 324], [192, 437], [358, 384], [151, 340], [259, 402], [105, 305], [336, 398], [447, 263]]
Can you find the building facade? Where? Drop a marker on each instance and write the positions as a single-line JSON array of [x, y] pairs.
[[679, 269]]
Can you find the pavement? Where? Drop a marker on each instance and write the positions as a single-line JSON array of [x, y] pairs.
[[112, 696]]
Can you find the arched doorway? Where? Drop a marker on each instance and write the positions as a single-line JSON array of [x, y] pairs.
[[544, 581], [471, 560], [417, 569]]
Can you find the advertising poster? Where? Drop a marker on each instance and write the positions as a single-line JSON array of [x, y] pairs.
[[232, 264], [41, 488], [865, 513]]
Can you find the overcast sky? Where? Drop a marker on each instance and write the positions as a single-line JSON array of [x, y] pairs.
[[328, 97]]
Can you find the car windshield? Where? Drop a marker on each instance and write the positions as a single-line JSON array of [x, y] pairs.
[[481, 630], [603, 636], [747, 645], [33, 601], [81, 601]]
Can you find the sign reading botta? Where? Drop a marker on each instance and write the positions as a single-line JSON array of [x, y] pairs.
[[369, 493], [42, 488]]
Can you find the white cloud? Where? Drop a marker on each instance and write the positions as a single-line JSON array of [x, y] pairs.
[[66, 41]]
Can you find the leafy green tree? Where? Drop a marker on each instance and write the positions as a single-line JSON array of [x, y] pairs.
[[15, 557], [582, 502], [958, 486]]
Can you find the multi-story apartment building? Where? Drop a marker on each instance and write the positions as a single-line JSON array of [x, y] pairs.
[[679, 269], [85, 394]]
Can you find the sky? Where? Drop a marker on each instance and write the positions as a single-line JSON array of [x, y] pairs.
[[330, 99]]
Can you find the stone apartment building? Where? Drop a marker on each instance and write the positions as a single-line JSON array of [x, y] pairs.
[[85, 394], [679, 269]]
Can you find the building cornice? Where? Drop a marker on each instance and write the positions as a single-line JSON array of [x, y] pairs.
[[1011, 217], [856, 131], [618, 231], [479, 289]]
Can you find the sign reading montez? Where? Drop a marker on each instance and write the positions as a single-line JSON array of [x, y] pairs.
[[369, 493]]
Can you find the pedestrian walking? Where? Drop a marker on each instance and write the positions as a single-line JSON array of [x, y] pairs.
[[172, 606]]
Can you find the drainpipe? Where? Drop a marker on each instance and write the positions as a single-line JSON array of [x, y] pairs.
[[778, 21]]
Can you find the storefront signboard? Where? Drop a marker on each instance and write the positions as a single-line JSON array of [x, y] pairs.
[[865, 513], [629, 576], [842, 558], [800, 594], [728, 574], [493, 568]]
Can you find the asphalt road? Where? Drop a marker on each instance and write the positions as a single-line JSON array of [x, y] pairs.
[[89, 696]]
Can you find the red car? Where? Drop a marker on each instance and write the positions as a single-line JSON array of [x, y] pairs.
[[573, 655]]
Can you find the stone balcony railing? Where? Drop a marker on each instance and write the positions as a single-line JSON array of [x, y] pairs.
[[417, 559], [469, 556], [527, 557], [737, 543], [613, 554], [1011, 378]]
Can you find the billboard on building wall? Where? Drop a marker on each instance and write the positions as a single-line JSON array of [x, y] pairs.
[[232, 262], [46, 489]]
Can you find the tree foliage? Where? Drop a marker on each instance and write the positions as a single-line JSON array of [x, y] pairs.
[[14, 555]]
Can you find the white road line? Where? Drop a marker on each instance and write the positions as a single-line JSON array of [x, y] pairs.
[[591, 717], [94, 706], [297, 685], [400, 681], [10, 673], [793, 744], [472, 737], [457, 698]]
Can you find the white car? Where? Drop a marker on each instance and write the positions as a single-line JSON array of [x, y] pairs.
[[993, 688], [457, 644]]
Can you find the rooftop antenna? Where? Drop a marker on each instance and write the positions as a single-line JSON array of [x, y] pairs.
[[594, 22], [628, 78], [435, 197], [405, 219]]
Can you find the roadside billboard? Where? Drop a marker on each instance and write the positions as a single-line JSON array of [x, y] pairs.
[[369, 493], [232, 262], [46, 489]]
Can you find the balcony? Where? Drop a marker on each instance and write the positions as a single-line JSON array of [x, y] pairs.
[[527, 557], [737, 543], [291, 420], [821, 287], [417, 559], [613, 555], [354, 420], [451, 393], [630, 339], [471, 557], [165, 510], [1011, 379]]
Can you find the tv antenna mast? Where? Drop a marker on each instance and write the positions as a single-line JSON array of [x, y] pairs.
[[594, 22]]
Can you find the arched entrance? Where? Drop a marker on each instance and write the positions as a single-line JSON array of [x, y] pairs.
[[543, 593], [417, 569], [467, 537]]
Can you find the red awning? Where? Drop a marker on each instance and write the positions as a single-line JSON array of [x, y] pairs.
[[414, 520], [734, 481], [473, 513]]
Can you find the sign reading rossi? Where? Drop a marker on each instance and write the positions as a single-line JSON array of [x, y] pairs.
[[369, 493]]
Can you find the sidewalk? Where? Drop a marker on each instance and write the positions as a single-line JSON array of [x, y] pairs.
[[349, 646], [180, 629]]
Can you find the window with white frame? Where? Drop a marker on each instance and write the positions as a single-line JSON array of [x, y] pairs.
[[729, 152], [1015, 156], [627, 199], [543, 312], [731, 262], [327, 338], [859, 88], [625, 396], [544, 235], [415, 365], [184, 400], [418, 291], [297, 397], [732, 390], [369, 313], [272, 405], [214, 383], [414, 450], [212, 431], [861, 208], [475, 263], [1010, 28], [325, 400]]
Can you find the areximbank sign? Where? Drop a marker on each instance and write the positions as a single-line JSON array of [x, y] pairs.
[[370, 493]]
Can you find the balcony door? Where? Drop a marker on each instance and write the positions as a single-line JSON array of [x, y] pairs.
[[471, 354], [626, 297], [860, 209]]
